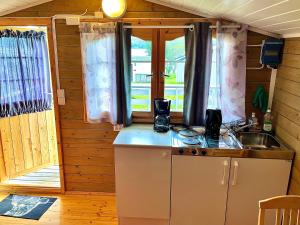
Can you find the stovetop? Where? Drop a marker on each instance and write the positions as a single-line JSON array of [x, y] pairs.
[[195, 139]]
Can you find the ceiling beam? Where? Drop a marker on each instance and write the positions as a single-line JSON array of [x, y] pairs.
[[264, 32], [291, 35]]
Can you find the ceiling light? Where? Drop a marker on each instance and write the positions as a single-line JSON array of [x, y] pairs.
[[114, 8]]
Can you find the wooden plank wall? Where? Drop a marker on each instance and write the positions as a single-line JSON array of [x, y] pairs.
[[87, 148], [287, 105], [255, 77], [28, 142]]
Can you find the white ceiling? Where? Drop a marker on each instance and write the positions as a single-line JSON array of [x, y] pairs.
[[10, 6], [276, 16]]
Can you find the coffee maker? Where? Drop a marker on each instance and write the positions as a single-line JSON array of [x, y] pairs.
[[213, 122], [161, 114]]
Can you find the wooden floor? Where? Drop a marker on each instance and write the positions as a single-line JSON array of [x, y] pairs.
[[73, 210], [46, 177]]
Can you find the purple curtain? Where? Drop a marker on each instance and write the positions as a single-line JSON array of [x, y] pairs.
[[25, 85]]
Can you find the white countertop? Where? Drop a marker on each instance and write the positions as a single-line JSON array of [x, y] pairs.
[[143, 135]]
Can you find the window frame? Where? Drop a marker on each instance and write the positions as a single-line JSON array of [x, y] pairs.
[[148, 35], [158, 38]]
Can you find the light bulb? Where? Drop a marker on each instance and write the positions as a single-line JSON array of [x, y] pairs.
[[114, 8]]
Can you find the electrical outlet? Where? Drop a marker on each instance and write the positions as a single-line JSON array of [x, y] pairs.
[[73, 20], [61, 97]]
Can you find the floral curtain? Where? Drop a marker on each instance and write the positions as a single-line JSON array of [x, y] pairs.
[[230, 72], [98, 49], [25, 85]]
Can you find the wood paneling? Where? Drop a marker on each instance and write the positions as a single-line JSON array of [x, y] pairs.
[[277, 16], [28, 142], [287, 105], [255, 77], [87, 148]]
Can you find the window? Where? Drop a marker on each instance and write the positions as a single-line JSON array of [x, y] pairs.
[[214, 89], [141, 57], [158, 60], [25, 81], [174, 72]]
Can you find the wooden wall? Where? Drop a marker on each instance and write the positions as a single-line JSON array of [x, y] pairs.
[[28, 142], [87, 148], [286, 108], [255, 77]]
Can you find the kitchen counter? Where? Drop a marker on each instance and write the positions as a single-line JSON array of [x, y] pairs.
[[143, 135], [177, 180]]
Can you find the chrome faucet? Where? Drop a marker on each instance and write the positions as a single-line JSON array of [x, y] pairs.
[[238, 129]]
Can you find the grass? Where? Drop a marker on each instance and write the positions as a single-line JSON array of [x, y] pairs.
[[139, 97], [139, 107], [168, 80], [173, 97], [170, 97], [172, 79], [145, 107]]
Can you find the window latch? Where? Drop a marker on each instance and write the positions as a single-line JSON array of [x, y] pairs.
[[164, 75]]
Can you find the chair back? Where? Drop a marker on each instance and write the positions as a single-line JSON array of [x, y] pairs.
[[287, 209]]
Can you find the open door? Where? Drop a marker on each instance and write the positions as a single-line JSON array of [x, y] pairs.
[[30, 153]]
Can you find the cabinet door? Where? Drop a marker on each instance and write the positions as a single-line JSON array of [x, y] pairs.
[[252, 180], [143, 177], [199, 190]]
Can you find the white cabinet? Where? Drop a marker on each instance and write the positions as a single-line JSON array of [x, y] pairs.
[[143, 178], [252, 180], [199, 190], [218, 191]]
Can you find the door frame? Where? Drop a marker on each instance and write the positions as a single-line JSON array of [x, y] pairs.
[[45, 22]]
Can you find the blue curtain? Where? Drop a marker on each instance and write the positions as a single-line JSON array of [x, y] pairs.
[[25, 85], [123, 79]]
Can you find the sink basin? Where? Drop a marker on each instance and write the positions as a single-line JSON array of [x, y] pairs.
[[226, 141], [257, 141]]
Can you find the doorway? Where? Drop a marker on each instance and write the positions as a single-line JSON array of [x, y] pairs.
[[29, 149]]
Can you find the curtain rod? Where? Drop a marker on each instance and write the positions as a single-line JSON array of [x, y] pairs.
[[94, 19], [158, 26], [169, 26]]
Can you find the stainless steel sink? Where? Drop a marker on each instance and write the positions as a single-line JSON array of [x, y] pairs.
[[257, 141], [231, 141]]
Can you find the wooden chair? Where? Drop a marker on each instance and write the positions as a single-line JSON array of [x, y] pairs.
[[289, 205]]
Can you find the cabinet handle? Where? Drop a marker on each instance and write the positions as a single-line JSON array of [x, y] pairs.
[[235, 172], [225, 166]]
